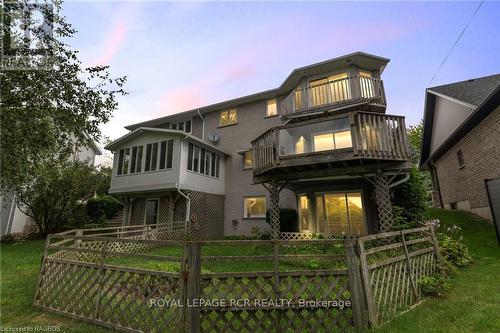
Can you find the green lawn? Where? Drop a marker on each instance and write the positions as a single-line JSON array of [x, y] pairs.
[[473, 304]]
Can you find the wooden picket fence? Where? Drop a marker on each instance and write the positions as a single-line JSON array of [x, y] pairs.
[[325, 285]]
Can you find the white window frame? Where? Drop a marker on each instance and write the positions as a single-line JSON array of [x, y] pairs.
[[245, 213], [228, 113], [243, 155], [267, 108]]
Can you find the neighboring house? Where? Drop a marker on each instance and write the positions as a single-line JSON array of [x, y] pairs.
[[461, 143], [15, 221], [322, 136]]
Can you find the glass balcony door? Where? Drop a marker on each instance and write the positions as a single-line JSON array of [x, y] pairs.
[[340, 213], [331, 89]]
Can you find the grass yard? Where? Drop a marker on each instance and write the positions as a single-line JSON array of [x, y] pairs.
[[472, 305]]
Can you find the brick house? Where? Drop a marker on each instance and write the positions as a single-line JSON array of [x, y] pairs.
[[321, 143], [461, 143]]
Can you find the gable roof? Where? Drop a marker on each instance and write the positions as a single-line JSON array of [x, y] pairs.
[[139, 131], [473, 91], [485, 90], [361, 59]]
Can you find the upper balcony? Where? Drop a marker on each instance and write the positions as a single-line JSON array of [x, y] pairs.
[[329, 92], [357, 139]]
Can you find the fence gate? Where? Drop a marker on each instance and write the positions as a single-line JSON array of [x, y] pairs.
[[391, 266]]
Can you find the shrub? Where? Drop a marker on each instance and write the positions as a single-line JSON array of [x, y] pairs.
[[78, 219], [104, 207], [411, 198], [18, 237], [433, 285], [453, 251], [257, 233], [400, 220], [288, 219]]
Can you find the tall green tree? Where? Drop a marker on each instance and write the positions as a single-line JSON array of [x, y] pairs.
[[59, 191], [410, 198], [48, 111]]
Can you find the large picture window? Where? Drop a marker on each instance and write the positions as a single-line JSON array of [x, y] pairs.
[[203, 161], [314, 137], [340, 213], [254, 207]]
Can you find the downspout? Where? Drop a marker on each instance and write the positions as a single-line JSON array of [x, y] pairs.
[[188, 207], [188, 200], [433, 168], [202, 125]]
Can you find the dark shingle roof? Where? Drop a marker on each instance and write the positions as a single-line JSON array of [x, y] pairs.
[[473, 91]]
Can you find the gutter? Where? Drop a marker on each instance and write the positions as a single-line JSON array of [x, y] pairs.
[[203, 125]]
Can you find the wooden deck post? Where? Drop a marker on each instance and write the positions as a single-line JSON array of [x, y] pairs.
[[275, 210], [358, 304], [127, 206], [383, 200]]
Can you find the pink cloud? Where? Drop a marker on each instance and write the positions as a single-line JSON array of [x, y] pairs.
[[201, 91], [116, 37], [114, 42]]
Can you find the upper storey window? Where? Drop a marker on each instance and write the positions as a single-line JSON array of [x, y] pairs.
[[228, 117], [184, 126], [272, 108], [321, 136], [330, 89]]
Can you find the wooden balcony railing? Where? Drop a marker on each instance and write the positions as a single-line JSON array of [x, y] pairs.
[[350, 89], [380, 136], [373, 136]]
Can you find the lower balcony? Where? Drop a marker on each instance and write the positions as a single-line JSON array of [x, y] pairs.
[[358, 138]]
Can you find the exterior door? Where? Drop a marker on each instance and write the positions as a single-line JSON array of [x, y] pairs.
[[493, 188], [305, 214], [152, 211], [340, 213]]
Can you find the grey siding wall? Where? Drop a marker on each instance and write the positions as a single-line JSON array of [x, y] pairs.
[[481, 151], [252, 122]]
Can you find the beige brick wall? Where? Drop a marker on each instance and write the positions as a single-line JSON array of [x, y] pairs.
[[481, 151]]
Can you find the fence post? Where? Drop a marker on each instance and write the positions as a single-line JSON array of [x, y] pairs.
[[408, 264], [100, 281], [193, 286], [277, 294], [42, 267], [435, 244], [78, 233], [367, 288], [355, 286]]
